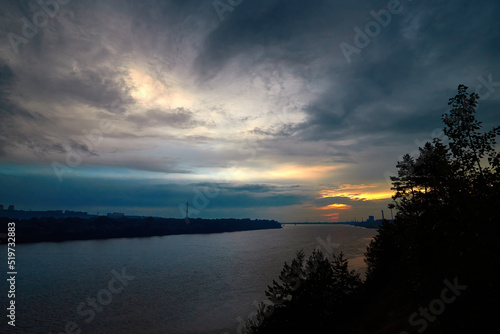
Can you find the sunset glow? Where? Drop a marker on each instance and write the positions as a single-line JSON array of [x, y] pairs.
[[332, 216], [295, 172], [357, 192], [336, 206]]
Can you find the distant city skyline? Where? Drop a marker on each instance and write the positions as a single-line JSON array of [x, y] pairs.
[[12, 212]]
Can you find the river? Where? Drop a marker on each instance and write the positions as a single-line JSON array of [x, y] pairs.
[[177, 284]]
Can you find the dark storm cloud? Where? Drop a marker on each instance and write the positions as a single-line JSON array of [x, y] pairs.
[[100, 88], [274, 31], [412, 73], [82, 193], [280, 130], [242, 200], [10, 114], [7, 107], [41, 146], [250, 188], [180, 118], [254, 188], [147, 164], [404, 75], [426, 53], [6, 78], [251, 196], [78, 192]]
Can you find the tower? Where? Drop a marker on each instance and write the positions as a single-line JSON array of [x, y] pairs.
[[187, 209]]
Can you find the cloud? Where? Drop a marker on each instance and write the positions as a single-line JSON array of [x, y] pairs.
[[336, 206], [357, 192], [178, 118], [247, 188], [265, 97], [137, 196]]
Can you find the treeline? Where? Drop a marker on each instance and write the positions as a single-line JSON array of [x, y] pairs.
[[62, 229], [435, 269]]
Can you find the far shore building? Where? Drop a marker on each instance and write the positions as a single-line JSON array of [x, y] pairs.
[[116, 215]]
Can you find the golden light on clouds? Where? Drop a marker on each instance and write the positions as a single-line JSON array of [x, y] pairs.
[[358, 192], [280, 173], [296, 172], [145, 86], [336, 207], [153, 93]]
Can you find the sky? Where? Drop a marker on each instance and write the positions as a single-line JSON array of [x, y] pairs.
[[286, 110]]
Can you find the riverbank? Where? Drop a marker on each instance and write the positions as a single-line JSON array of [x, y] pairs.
[[49, 229]]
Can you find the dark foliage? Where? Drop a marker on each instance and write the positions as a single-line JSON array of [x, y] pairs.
[[446, 229], [447, 221], [309, 294]]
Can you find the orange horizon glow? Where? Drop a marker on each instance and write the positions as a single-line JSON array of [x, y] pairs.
[[333, 216], [336, 206], [357, 192]]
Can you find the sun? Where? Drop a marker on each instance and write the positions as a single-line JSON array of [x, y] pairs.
[[336, 206], [153, 93]]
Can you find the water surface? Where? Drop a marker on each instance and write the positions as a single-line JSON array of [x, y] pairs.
[[181, 284]]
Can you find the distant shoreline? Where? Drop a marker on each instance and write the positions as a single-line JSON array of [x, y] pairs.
[[50, 229], [375, 224]]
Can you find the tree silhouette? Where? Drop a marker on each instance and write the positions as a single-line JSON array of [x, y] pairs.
[[447, 215], [466, 143], [310, 293]]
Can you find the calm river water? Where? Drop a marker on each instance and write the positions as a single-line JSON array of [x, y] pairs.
[[172, 284]]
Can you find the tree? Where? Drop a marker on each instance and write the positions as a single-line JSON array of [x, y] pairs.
[[467, 144], [446, 200], [468, 168], [310, 294]]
